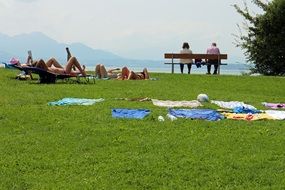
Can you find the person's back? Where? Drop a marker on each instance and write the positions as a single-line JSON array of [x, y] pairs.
[[186, 50], [186, 61], [213, 49]]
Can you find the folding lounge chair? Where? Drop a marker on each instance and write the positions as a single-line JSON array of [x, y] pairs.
[[14, 66], [50, 77], [8, 66]]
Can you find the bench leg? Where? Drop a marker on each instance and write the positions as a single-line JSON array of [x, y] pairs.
[[172, 68]]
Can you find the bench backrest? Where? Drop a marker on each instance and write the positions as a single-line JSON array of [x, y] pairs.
[[194, 56]]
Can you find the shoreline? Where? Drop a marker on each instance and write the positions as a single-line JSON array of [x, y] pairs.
[[230, 69], [167, 69]]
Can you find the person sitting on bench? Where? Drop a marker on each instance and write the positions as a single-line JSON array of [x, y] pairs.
[[186, 50], [213, 50]]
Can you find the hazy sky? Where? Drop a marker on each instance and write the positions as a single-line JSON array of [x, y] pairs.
[[142, 29]]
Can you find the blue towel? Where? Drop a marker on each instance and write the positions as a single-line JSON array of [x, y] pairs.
[[75, 101], [245, 110], [130, 113], [206, 114]]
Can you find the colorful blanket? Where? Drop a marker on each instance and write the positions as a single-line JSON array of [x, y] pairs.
[[75, 101], [247, 117], [130, 113], [274, 105]]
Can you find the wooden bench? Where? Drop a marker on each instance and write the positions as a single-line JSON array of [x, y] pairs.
[[174, 56]]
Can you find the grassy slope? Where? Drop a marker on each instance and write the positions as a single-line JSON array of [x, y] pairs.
[[44, 147]]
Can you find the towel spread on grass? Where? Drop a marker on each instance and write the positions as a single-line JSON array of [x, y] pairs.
[[247, 117], [274, 105], [171, 104], [245, 110], [232, 104], [130, 113], [135, 99], [276, 114], [206, 114], [75, 101]]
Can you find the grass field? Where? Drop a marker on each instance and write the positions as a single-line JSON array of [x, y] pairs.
[[83, 147]]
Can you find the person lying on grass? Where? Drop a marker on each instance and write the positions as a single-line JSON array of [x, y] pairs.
[[125, 74]]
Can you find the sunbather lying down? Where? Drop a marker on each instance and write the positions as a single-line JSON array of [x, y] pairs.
[[125, 74], [53, 66]]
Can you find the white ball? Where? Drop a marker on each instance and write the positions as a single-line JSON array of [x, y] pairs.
[[160, 118], [203, 98]]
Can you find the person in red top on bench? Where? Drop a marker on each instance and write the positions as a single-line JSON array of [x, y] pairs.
[[213, 49]]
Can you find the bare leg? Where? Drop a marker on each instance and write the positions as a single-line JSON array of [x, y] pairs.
[[29, 61], [54, 62], [125, 73], [146, 74], [100, 71], [103, 71], [132, 76], [41, 64], [111, 70], [97, 71], [73, 62]]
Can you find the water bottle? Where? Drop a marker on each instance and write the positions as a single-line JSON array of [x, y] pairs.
[[160, 118]]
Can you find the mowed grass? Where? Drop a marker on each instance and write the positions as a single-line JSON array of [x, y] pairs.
[[83, 147]]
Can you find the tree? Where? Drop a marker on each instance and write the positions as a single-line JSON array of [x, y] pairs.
[[264, 43]]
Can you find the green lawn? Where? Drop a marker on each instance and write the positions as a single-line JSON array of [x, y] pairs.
[[83, 147]]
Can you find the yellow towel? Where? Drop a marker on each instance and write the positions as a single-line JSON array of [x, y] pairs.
[[247, 117]]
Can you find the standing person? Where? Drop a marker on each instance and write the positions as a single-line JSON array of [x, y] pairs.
[[213, 49], [186, 50]]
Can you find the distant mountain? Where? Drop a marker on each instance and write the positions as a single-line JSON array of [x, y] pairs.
[[44, 47]]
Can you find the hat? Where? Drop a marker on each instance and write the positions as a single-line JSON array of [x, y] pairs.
[[14, 61]]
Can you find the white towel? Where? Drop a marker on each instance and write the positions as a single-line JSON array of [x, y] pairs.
[[171, 104], [232, 104]]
